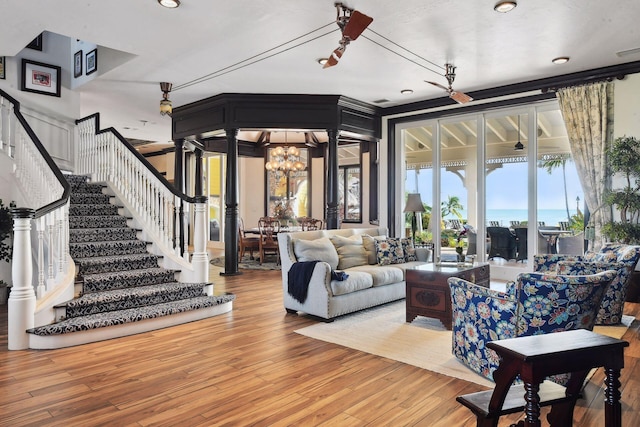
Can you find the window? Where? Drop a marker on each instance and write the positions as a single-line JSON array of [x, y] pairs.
[[349, 183]]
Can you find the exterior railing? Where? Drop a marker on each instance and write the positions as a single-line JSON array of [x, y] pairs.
[[165, 214], [42, 194]]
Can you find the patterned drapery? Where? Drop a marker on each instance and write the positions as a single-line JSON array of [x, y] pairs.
[[588, 115]]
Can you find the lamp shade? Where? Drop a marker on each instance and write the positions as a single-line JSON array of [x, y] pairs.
[[414, 203]]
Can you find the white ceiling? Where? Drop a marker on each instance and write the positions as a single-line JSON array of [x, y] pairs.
[[204, 36]]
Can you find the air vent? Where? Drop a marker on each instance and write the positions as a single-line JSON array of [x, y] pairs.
[[628, 52]]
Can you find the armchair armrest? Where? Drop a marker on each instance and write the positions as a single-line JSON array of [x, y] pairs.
[[480, 315]]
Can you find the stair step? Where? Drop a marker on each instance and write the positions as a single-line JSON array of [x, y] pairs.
[[102, 249], [85, 235], [104, 221], [113, 263], [119, 317], [126, 279], [92, 210], [122, 299], [89, 198]]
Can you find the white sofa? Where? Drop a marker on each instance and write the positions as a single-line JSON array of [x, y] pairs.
[[369, 284]]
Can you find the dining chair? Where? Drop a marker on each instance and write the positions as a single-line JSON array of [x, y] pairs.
[[503, 243], [312, 224], [246, 243], [268, 243]]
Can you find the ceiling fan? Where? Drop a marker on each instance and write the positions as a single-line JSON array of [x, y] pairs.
[[450, 75], [352, 23]]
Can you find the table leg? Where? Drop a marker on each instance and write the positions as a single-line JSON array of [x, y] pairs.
[[532, 405], [612, 407]]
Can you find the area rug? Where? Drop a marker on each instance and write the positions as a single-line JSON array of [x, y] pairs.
[[248, 264], [424, 343]]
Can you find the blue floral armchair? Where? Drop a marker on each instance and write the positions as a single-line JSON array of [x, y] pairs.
[[612, 256], [534, 304]]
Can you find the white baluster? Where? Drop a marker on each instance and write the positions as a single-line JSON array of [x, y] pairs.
[[200, 259], [40, 226]]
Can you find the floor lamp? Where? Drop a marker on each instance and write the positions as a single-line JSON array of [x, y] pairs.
[[414, 204]]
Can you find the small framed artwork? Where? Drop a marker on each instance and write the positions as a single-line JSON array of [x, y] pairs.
[[40, 78], [3, 67], [77, 64], [92, 61], [36, 44]]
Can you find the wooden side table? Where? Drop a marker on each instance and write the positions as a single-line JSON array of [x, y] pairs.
[[428, 293], [536, 357]]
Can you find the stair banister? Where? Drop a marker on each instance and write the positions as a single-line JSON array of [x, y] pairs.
[[42, 187], [164, 211]]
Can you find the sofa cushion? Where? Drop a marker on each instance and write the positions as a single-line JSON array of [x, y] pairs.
[[356, 281], [369, 243], [313, 250], [351, 253], [389, 251], [381, 274], [409, 250]]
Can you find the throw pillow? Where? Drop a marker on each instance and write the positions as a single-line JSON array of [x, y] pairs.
[[316, 250], [351, 253], [369, 244], [389, 251], [409, 250]]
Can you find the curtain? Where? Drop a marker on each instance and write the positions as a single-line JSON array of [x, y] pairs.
[[587, 111]]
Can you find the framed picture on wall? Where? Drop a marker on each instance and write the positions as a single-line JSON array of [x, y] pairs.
[[3, 67], [77, 64], [36, 44], [92, 61], [41, 78]]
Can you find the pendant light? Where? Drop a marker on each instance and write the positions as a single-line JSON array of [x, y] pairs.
[[519, 146]]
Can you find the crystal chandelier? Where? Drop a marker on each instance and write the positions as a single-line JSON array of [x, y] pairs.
[[285, 159]]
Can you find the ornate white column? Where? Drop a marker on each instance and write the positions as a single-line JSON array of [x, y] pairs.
[[22, 300], [200, 260]]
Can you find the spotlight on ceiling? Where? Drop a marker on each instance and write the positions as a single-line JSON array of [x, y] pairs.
[[171, 4], [165, 103], [406, 91], [322, 61], [560, 60], [505, 6]]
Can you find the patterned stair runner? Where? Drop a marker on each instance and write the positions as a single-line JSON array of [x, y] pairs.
[[121, 281]]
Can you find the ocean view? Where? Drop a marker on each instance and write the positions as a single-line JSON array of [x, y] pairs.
[[549, 216]]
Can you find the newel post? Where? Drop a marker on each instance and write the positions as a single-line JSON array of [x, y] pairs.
[[200, 259], [22, 299]]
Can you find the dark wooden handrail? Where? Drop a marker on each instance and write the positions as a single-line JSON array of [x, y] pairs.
[[45, 155], [153, 170]]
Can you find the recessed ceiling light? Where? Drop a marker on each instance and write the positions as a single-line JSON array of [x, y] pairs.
[[406, 91], [171, 4], [322, 61], [560, 60], [505, 6]]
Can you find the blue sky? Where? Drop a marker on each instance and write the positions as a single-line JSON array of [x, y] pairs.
[[507, 187]]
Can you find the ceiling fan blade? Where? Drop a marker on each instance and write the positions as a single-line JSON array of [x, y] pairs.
[[333, 58], [460, 97], [358, 22], [437, 85]]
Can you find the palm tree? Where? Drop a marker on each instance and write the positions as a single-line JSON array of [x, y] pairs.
[[549, 165], [452, 206]]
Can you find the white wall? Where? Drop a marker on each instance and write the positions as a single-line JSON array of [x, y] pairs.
[[627, 107]]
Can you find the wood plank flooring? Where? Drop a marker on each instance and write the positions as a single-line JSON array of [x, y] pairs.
[[245, 368]]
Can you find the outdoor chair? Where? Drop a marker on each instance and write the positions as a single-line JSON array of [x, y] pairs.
[[521, 243], [571, 245], [503, 243], [534, 304], [613, 256], [494, 223]]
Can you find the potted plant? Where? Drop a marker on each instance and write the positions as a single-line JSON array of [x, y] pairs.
[[623, 159]]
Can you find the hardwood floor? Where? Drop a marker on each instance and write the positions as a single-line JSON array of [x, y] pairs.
[[248, 367]]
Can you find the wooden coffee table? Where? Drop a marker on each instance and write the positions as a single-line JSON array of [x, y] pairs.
[[428, 292]]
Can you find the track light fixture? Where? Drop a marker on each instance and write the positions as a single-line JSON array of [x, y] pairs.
[[165, 103]]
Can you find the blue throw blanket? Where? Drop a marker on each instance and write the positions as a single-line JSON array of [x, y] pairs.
[[299, 277]]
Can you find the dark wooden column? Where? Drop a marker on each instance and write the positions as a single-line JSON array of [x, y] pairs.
[[178, 183], [231, 206], [198, 183], [332, 180]]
